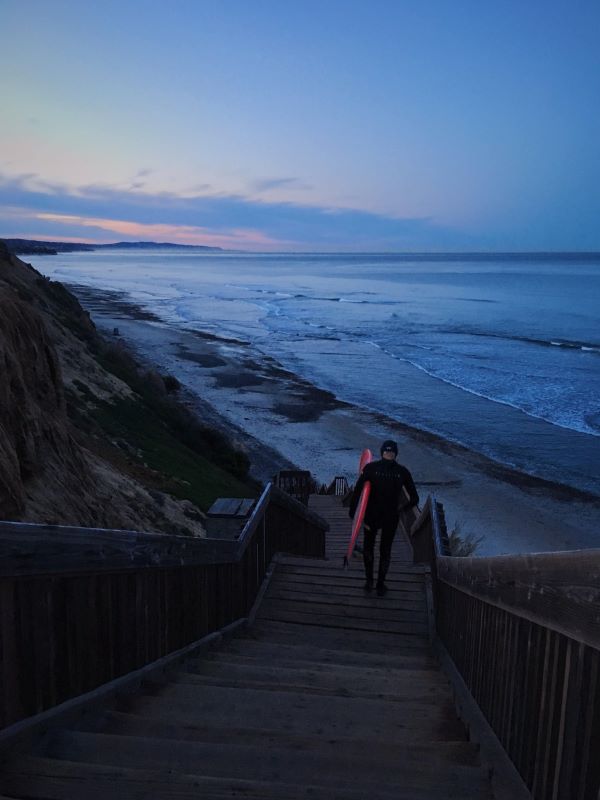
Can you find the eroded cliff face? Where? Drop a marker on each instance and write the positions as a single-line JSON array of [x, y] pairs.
[[33, 426], [46, 474]]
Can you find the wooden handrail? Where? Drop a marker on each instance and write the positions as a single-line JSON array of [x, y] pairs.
[[522, 632], [32, 549], [80, 607], [559, 591]]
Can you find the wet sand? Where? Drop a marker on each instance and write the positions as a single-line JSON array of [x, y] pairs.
[[283, 420]]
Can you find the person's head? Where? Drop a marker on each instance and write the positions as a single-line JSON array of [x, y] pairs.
[[389, 449]]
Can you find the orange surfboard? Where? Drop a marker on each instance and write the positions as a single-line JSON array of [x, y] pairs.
[[365, 459]]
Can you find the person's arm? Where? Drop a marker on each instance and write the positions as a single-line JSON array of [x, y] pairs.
[[356, 495], [413, 495]]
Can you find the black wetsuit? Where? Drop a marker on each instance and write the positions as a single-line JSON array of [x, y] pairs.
[[387, 479]]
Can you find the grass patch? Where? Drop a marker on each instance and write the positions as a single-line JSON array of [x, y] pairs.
[[183, 470], [463, 544]]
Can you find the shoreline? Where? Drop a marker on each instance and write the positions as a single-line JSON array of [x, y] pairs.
[[283, 420]]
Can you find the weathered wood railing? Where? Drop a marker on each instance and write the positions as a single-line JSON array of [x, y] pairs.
[[81, 607], [523, 631]]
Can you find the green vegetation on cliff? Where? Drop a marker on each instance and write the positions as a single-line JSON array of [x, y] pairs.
[[155, 437]]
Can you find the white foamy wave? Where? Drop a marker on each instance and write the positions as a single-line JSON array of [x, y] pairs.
[[568, 422]]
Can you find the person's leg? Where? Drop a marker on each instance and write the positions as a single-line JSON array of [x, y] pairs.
[[369, 555], [388, 531]]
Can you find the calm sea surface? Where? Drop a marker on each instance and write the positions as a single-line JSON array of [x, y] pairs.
[[500, 355]]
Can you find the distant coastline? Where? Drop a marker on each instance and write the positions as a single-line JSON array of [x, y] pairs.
[[30, 247], [42, 247]]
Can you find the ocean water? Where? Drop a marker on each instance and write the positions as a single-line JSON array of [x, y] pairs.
[[499, 354]]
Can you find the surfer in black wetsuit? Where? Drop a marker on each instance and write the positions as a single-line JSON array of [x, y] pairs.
[[386, 500]]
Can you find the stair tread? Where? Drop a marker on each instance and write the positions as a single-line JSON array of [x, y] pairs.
[[131, 724], [319, 670], [306, 616], [53, 779], [419, 694], [337, 680], [415, 658], [372, 612], [300, 712], [249, 761], [283, 590]]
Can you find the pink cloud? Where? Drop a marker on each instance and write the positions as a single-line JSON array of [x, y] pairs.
[[179, 234]]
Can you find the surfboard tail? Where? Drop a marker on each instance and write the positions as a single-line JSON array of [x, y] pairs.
[[365, 458]]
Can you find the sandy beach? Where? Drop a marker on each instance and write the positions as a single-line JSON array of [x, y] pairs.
[[284, 421]]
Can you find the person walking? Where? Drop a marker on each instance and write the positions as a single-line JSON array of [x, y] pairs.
[[387, 499]]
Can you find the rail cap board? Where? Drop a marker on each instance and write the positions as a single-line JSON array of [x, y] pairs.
[[428, 513], [559, 590], [41, 549], [31, 549]]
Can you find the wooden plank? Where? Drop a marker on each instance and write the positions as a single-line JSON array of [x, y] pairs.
[[11, 707], [556, 590], [350, 623], [333, 667], [64, 780], [331, 766], [345, 585], [324, 570], [418, 693], [238, 507], [304, 713], [126, 724], [245, 507], [280, 591], [426, 686], [331, 650], [377, 611]]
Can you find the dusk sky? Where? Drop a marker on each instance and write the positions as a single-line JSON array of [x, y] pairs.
[[302, 125]]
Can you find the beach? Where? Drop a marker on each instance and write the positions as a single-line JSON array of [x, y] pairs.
[[283, 421]]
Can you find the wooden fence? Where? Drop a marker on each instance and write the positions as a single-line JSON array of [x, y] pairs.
[[80, 607], [524, 633]]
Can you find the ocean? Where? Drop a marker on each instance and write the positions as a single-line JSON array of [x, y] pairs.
[[499, 354]]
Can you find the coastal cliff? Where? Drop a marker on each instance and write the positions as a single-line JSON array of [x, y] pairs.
[[80, 421]]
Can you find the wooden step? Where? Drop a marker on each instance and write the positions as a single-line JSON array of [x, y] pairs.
[[128, 724], [421, 691], [332, 563], [317, 673], [349, 584], [353, 641], [303, 713], [53, 779], [325, 571], [281, 590], [291, 652], [336, 767], [360, 673], [285, 612], [375, 611]]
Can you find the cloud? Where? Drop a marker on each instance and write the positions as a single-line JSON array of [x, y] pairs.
[[267, 184], [213, 218], [180, 234]]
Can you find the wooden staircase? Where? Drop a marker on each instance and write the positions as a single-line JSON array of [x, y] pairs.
[[331, 693]]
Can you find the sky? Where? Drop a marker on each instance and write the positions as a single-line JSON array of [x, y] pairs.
[[308, 125]]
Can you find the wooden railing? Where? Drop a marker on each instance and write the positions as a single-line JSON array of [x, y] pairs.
[[295, 482], [81, 607], [523, 631]]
